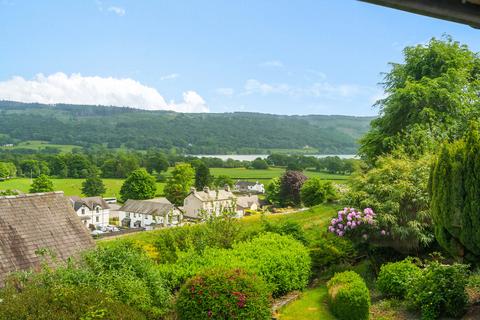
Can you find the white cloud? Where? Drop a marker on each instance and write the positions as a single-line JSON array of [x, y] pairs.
[[77, 89], [317, 89], [119, 11], [225, 91], [255, 86], [272, 64], [170, 76]]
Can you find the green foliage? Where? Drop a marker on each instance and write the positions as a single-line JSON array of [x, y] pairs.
[[291, 183], [222, 180], [455, 189], [281, 261], [208, 133], [7, 170], [330, 250], [41, 184], [395, 278], [430, 98], [179, 184], [315, 191], [259, 164], [139, 185], [203, 178], [397, 191], [34, 168], [348, 296], [62, 302], [93, 186], [286, 228], [224, 294], [272, 192], [440, 291]]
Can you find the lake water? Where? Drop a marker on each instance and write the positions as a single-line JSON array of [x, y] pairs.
[[251, 157]]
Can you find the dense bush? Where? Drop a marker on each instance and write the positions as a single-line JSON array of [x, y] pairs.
[[395, 278], [440, 290], [396, 189], [330, 250], [283, 262], [224, 294], [121, 272], [290, 228], [348, 296], [316, 191], [37, 302], [455, 197]]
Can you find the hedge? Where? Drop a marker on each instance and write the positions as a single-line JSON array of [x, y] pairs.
[[395, 278], [348, 296]]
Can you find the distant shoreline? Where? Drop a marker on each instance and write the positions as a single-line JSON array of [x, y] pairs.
[[251, 157]]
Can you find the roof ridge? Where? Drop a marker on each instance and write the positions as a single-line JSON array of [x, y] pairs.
[[30, 195]]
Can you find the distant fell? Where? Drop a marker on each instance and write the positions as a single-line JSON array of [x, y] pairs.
[[195, 133]]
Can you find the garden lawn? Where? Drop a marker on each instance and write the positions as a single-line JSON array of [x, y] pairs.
[[71, 187], [311, 305]]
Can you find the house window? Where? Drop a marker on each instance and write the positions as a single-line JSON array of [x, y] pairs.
[[127, 214], [97, 219], [97, 209], [83, 210]]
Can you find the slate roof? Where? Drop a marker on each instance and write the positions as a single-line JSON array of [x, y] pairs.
[[154, 207], [38, 221], [213, 195], [244, 184], [247, 201], [90, 202]]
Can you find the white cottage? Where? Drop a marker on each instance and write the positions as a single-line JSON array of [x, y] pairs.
[[208, 202], [149, 213], [93, 211], [249, 187]]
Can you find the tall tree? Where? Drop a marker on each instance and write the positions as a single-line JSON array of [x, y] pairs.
[[429, 98], [455, 190], [203, 178], [93, 186], [179, 184], [290, 184], [41, 184], [139, 185], [315, 191]]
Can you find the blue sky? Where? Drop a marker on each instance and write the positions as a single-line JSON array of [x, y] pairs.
[[285, 57]]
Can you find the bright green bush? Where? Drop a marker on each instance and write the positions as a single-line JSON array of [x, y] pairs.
[[224, 294], [291, 228], [440, 290], [395, 278], [283, 262], [35, 302], [330, 250], [348, 296]]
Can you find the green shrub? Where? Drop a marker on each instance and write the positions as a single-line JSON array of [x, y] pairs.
[[291, 228], [395, 278], [330, 250], [224, 294], [283, 262], [34, 302], [348, 296], [440, 290]]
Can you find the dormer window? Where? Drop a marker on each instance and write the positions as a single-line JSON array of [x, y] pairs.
[[83, 210], [97, 209]]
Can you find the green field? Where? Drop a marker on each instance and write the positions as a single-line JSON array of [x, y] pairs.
[[38, 145], [267, 174], [71, 187]]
